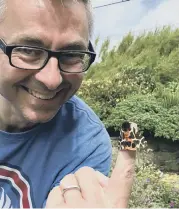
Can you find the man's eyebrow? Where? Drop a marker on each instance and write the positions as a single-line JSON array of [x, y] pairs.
[[30, 41], [34, 41], [74, 46]]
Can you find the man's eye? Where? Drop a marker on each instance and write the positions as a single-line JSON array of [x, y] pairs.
[[72, 58], [28, 52]]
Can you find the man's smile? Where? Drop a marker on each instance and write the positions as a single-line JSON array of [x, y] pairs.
[[42, 96]]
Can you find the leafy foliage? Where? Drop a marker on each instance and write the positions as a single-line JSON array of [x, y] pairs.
[[149, 113], [137, 81], [152, 188]]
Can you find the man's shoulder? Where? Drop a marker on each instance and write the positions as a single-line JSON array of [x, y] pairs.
[[79, 104], [75, 120], [77, 109]]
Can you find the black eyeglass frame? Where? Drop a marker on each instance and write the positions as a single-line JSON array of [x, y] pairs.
[[7, 49]]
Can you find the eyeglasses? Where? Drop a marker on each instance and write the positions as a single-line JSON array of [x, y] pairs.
[[35, 58]]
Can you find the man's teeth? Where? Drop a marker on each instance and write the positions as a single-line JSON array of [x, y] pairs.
[[41, 96]]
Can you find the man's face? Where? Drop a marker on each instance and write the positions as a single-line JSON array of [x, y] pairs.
[[52, 24]]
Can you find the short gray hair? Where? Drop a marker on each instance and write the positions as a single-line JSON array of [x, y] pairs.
[[90, 14], [2, 9], [87, 3]]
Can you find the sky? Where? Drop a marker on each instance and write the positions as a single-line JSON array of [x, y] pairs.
[[133, 16]]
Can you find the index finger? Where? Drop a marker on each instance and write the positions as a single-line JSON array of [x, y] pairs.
[[121, 181]]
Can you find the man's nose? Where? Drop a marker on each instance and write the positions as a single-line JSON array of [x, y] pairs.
[[50, 75]]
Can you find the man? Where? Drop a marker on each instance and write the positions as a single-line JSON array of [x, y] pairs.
[[49, 137]]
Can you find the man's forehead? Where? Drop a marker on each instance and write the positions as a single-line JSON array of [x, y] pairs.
[[53, 7], [49, 17], [56, 9]]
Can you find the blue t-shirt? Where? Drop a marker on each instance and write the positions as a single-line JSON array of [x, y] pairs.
[[35, 161]]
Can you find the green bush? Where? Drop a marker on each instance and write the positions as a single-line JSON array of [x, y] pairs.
[[156, 113], [150, 114], [151, 188], [155, 53], [103, 95]]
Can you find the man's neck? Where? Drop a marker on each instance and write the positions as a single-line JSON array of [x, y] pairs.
[[10, 119]]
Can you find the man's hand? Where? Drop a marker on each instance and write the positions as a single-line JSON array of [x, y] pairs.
[[97, 191]]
